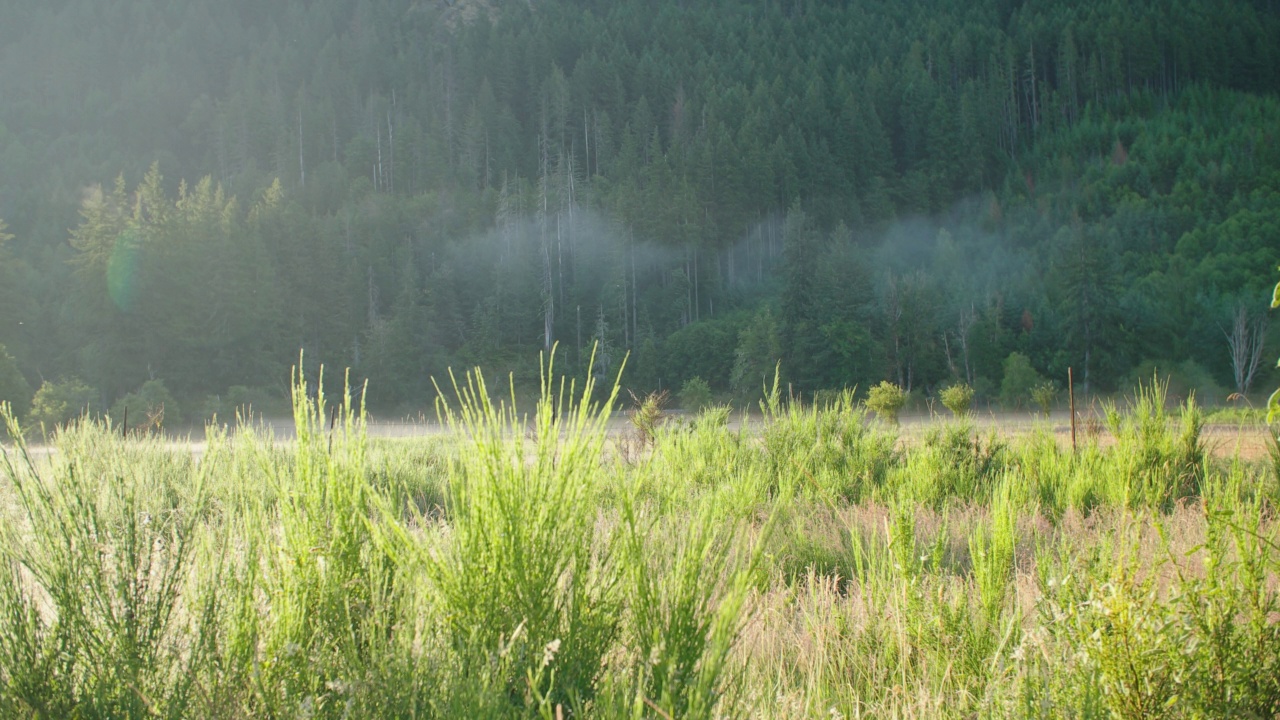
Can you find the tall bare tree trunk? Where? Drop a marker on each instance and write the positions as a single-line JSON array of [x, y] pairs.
[[1245, 340]]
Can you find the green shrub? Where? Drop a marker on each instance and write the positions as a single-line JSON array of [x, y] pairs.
[[91, 612], [1019, 380], [1044, 395], [61, 401], [152, 406], [886, 401], [695, 395], [521, 575], [1156, 462], [756, 358], [957, 398]]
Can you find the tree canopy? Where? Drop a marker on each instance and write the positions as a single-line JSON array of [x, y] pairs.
[[912, 191]]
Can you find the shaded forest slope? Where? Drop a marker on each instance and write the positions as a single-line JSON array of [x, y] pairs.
[[918, 191]]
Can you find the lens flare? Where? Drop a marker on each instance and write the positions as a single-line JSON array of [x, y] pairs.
[[122, 271]]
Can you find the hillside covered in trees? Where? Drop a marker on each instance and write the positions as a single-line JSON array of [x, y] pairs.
[[923, 191]]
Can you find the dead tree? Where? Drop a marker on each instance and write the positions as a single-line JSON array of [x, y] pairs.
[[1245, 340]]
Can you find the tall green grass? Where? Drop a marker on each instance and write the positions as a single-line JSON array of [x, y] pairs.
[[823, 564]]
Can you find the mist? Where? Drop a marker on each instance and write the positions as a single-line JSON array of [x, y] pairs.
[[403, 187]]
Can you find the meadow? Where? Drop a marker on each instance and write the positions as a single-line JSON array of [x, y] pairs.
[[817, 564]]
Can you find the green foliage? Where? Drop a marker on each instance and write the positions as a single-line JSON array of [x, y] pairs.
[[1159, 465], [1019, 381], [1183, 379], [941, 574], [992, 548], [703, 350], [757, 356], [113, 564], [952, 462], [14, 389], [1200, 648], [1044, 395], [886, 400], [832, 447], [58, 402], [1239, 416], [681, 629], [150, 406], [647, 415], [906, 205], [517, 575], [957, 398], [695, 395]]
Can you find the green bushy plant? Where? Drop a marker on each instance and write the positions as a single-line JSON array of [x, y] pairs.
[[89, 614], [695, 395], [953, 462], [992, 549], [756, 357], [1044, 395], [1195, 644], [886, 400], [152, 405], [1155, 463], [1242, 416], [520, 567], [60, 401], [523, 568], [957, 398], [1020, 378], [835, 451]]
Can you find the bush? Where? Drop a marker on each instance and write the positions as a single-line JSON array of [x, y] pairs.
[[152, 406], [886, 400], [58, 402], [1019, 380], [704, 349], [957, 398], [695, 394], [1044, 395]]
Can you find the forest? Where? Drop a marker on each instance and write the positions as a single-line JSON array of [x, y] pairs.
[[925, 192]]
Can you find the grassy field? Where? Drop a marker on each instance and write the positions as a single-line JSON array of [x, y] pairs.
[[817, 563]]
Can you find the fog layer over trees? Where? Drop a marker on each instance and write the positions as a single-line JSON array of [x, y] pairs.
[[924, 192]]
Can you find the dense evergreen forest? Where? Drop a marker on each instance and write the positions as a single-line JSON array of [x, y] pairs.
[[925, 191]]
